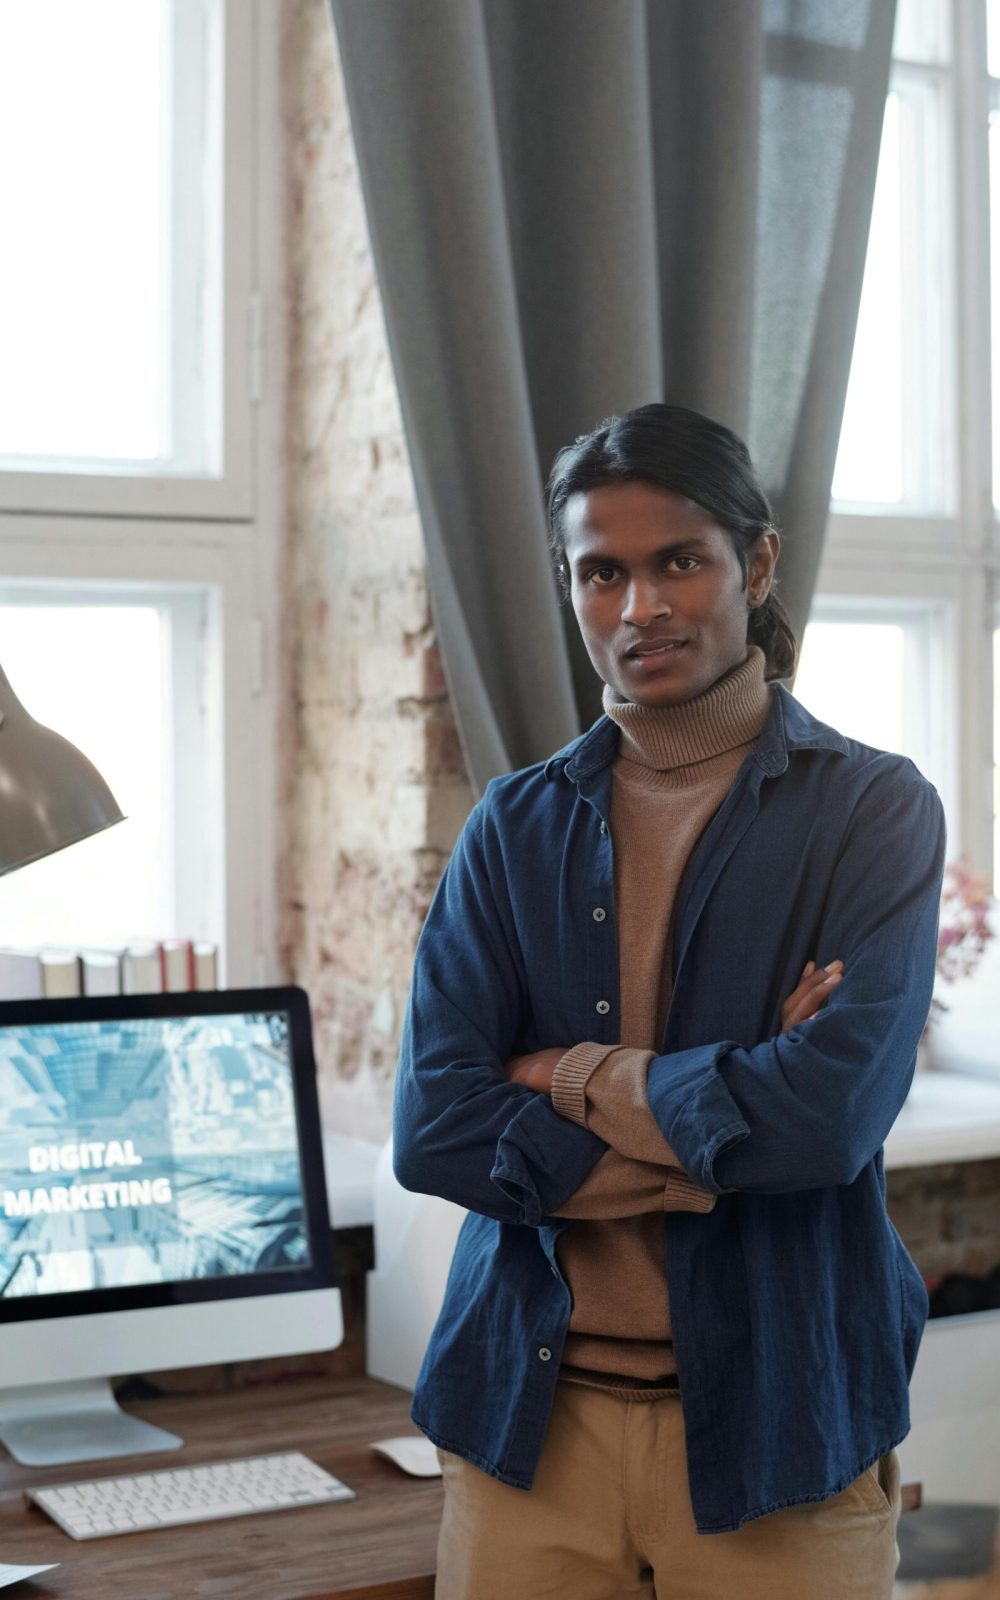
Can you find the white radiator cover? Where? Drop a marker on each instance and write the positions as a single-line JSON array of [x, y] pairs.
[[953, 1447], [414, 1242]]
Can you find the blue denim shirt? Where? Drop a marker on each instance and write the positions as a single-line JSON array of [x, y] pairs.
[[797, 1311]]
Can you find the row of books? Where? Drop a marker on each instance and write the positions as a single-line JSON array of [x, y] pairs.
[[144, 967]]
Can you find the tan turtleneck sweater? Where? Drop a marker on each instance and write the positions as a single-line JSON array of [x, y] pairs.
[[674, 767]]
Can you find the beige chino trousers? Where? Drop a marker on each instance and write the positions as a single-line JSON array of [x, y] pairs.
[[609, 1517]]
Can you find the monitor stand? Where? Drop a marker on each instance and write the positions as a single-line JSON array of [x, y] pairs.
[[46, 1424]]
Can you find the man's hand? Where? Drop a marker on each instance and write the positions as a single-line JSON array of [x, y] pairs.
[[535, 1071], [809, 994]]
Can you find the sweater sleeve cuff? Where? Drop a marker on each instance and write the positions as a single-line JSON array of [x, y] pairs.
[[681, 1193], [569, 1080]]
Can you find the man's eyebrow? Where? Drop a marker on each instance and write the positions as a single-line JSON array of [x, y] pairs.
[[605, 557]]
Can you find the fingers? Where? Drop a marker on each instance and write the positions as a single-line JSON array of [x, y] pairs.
[[813, 988], [810, 966], [823, 975]]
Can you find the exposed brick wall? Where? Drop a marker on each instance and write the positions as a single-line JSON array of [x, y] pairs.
[[375, 789], [948, 1216]]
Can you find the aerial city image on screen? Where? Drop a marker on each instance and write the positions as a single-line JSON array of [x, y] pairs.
[[153, 1150]]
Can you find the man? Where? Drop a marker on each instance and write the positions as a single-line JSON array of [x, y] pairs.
[[665, 1009]]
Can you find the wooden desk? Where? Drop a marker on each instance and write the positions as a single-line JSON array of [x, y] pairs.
[[380, 1546]]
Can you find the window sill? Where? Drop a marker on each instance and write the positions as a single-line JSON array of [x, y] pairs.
[[948, 1116], [952, 1112]]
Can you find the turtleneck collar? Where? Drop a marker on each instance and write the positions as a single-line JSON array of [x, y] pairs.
[[730, 713]]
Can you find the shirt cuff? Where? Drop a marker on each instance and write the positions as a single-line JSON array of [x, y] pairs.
[[694, 1110], [541, 1159], [569, 1080]]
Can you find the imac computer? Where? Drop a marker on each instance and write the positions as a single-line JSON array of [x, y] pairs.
[[162, 1204]]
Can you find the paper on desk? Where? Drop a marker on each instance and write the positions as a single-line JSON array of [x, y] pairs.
[[15, 1574]]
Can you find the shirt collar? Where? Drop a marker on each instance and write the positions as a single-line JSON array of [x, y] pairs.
[[789, 726]]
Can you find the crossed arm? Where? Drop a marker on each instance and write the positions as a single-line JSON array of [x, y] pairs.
[[639, 1172], [804, 1110]]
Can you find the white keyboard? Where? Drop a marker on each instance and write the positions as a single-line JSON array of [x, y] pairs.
[[98, 1507]]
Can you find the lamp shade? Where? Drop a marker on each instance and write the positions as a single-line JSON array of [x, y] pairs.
[[50, 794]]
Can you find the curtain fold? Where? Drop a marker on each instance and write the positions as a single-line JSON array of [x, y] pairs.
[[580, 206]]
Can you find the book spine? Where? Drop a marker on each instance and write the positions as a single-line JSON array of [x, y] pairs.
[[206, 966], [141, 969], [60, 974], [176, 965], [102, 972], [20, 975]]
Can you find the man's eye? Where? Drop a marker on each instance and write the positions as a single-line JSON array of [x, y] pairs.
[[608, 574]]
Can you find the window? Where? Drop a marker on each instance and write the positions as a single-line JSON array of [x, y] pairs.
[[900, 646], [121, 674], [993, 67], [910, 564], [996, 762], [897, 441], [870, 457], [125, 276], [136, 520]]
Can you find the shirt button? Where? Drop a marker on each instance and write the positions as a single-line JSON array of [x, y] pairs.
[[545, 1354], [604, 827], [599, 913], [603, 1007]]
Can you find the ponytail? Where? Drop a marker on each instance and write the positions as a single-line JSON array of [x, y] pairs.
[[769, 626]]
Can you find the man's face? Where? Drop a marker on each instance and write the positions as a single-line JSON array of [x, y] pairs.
[[648, 566]]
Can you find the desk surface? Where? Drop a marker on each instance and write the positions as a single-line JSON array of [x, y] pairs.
[[380, 1546]]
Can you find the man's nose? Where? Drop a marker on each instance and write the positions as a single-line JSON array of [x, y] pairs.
[[644, 601]]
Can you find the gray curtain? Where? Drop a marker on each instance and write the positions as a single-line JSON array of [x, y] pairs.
[[579, 206]]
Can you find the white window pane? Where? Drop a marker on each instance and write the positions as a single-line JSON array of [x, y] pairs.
[[996, 762], [851, 675], [921, 32], [993, 38], [107, 319], [82, 292], [869, 464], [99, 675], [994, 137]]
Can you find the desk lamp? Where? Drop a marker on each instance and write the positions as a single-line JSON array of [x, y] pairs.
[[50, 794]]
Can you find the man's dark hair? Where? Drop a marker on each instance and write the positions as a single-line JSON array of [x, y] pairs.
[[673, 448]]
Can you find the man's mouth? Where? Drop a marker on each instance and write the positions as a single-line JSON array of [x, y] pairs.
[[647, 656]]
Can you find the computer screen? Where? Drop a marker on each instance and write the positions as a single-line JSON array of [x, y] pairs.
[[147, 1150], [162, 1192]]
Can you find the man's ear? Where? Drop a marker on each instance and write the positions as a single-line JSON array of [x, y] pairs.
[[763, 563]]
